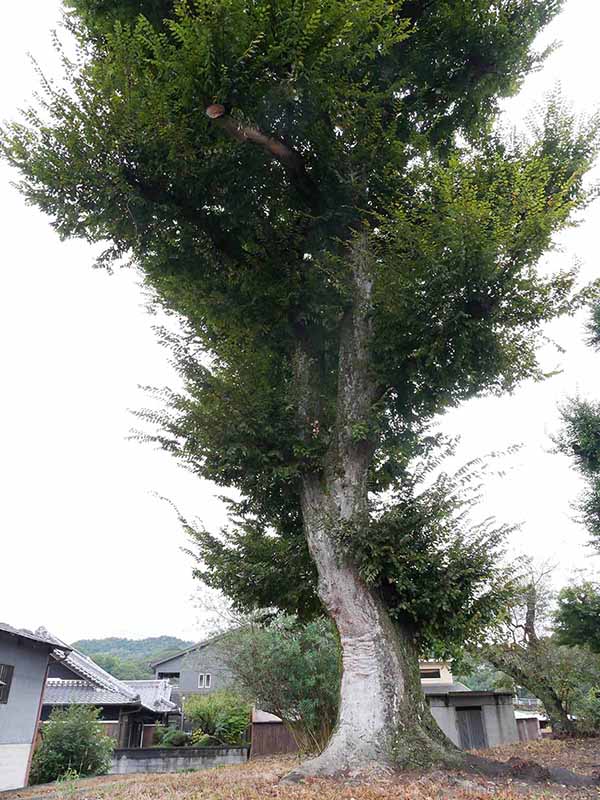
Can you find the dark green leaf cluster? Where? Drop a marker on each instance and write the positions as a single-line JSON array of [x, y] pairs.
[[594, 327], [578, 616], [73, 743], [580, 439], [430, 563]]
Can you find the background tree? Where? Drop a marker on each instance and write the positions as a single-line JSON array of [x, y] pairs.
[[292, 670], [318, 189], [578, 615], [579, 438], [526, 650], [480, 675]]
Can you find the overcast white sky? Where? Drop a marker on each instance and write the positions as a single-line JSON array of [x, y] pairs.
[[86, 548]]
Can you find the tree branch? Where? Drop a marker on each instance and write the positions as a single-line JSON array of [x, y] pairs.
[[158, 194], [291, 161]]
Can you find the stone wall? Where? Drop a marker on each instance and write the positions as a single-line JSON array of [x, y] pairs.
[[175, 759]]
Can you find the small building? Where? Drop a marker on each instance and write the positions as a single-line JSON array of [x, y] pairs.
[[129, 710], [24, 658], [470, 719], [529, 725]]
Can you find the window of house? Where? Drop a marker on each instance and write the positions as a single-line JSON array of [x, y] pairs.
[[430, 673], [6, 674], [204, 680], [172, 677]]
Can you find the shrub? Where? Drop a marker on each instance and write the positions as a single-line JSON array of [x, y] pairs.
[[293, 671], [222, 716], [200, 739], [170, 737], [588, 712], [175, 738], [73, 742]]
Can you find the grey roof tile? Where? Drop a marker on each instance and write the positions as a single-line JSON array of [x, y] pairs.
[[97, 687], [41, 636], [154, 694], [59, 692]]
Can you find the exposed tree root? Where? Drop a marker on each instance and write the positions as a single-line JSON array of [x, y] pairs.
[[527, 771]]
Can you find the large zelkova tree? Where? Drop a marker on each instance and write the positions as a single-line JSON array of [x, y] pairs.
[[319, 191]]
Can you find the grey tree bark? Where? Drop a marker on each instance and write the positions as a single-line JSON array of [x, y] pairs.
[[384, 720]]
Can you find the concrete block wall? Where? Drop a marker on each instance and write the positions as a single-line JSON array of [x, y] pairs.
[[175, 759]]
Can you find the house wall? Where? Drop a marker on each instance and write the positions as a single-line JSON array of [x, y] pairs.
[[206, 659], [529, 728], [445, 673], [18, 717], [172, 665], [202, 660]]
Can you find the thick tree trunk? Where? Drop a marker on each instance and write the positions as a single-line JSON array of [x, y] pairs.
[[384, 720]]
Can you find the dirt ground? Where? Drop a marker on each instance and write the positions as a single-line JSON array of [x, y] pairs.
[[260, 780]]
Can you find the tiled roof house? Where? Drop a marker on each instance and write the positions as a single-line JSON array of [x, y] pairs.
[[129, 709]]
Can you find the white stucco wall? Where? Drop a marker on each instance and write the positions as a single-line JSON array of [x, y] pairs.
[[13, 765]]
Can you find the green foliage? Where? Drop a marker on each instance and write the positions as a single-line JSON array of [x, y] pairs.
[[578, 615], [293, 671], [432, 563], [132, 649], [481, 676], [129, 659], [580, 439], [386, 111], [593, 327], [166, 736], [73, 742], [222, 716], [421, 551], [200, 739], [587, 710]]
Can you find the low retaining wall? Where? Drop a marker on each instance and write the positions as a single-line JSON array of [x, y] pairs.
[[174, 759]]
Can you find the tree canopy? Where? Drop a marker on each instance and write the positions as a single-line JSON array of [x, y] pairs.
[[579, 438], [578, 615]]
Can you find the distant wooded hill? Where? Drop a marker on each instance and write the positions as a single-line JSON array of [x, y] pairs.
[[129, 659]]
